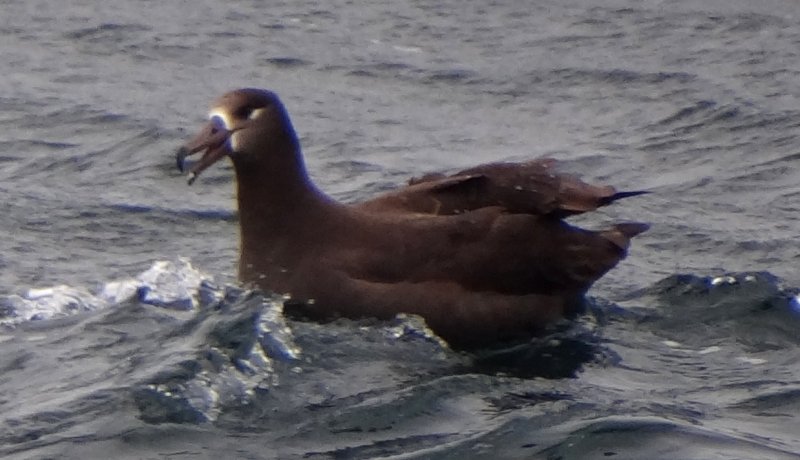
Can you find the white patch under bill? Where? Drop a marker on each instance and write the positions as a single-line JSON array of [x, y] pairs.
[[227, 122], [233, 141], [223, 115]]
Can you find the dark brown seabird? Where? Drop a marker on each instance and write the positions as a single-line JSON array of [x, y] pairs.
[[483, 255]]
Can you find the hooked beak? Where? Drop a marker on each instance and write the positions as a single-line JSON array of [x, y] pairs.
[[213, 138]]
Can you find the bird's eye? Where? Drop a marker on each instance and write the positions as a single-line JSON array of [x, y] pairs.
[[244, 112], [249, 112]]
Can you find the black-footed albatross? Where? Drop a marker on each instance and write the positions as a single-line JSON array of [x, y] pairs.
[[483, 255]]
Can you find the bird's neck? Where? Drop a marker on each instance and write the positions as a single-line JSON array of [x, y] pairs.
[[277, 187], [278, 208]]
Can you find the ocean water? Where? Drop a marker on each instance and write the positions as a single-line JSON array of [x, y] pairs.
[[123, 332]]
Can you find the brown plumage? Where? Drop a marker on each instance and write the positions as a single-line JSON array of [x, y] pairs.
[[532, 187], [483, 255]]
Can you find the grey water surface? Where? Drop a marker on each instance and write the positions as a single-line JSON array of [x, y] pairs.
[[689, 348]]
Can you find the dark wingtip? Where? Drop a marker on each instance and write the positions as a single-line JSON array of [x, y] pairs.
[[631, 229], [620, 195]]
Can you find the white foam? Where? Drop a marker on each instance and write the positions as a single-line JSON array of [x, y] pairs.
[[723, 280], [794, 303], [46, 303], [708, 350], [754, 361], [171, 284], [166, 284]]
